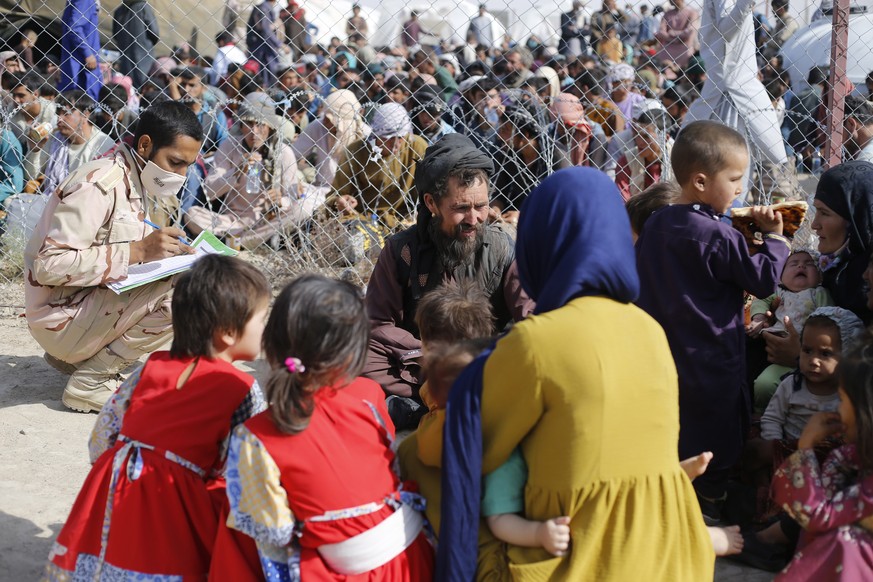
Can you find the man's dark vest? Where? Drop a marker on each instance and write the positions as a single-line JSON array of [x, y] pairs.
[[420, 271]]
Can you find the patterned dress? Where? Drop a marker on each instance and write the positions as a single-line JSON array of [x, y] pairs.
[[834, 505], [296, 494], [149, 509]]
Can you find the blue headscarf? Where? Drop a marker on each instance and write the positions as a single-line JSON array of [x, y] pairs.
[[574, 239]]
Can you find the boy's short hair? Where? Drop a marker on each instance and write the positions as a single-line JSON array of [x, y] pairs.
[[643, 205], [702, 147], [218, 294], [30, 80], [454, 312], [78, 100]]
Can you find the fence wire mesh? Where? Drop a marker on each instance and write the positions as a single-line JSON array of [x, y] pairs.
[[316, 113]]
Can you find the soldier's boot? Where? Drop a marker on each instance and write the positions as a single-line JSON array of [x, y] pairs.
[[60, 365], [94, 381]]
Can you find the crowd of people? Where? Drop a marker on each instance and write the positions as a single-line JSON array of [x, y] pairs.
[[341, 126], [538, 217]]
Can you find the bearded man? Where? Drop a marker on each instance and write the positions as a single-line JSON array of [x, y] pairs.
[[449, 242]]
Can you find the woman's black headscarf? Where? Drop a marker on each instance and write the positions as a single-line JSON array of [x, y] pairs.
[[847, 189]]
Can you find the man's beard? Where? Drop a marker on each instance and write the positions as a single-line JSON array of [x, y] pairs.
[[455, 251]]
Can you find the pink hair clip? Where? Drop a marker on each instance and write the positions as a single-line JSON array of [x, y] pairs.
[[294, 365]]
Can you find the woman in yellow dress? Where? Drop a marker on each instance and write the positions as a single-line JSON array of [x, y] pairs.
[[586, 388]]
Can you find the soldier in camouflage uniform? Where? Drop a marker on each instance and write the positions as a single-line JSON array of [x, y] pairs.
[[90, 232]]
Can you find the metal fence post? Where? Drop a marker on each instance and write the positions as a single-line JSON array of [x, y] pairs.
[[837, 87]]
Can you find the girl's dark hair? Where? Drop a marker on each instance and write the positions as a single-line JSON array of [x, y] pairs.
[[165, 121], [218, 294], [323, 323], [856, 380]]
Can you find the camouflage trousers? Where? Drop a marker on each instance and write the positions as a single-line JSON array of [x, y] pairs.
[[131, 325]]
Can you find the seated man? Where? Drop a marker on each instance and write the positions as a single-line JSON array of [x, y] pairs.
[[187, 86], [114, 117], [91, 231], [517, 154], [11, 166], [378, 171], [35, 117], [75, 143], [450, 242], [252, 212]]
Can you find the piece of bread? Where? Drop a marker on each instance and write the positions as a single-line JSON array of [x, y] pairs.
[[792, 213]]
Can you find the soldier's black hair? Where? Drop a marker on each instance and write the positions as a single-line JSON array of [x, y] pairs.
[[165, 121]]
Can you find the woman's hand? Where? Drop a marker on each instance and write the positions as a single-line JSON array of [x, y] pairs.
[[821, 426], [783, 350]]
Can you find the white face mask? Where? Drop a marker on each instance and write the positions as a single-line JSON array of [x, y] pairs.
[[159, 183]]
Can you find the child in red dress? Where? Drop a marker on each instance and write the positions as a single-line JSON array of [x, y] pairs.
[[312, 478], [147, 509]]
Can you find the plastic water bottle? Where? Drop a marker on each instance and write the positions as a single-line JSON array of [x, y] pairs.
[[253, 178]]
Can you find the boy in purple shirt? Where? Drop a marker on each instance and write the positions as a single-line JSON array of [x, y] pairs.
[[693, 270]]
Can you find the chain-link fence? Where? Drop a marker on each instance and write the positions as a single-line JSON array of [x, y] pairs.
[[316, 113]]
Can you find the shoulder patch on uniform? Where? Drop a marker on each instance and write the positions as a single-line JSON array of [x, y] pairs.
[[110, 179]]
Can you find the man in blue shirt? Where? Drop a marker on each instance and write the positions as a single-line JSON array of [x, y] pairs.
[[80, 46], [187, 86]]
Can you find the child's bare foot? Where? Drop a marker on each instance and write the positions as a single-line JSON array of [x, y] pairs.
[[554, 535], [726, 541], [696, 466]]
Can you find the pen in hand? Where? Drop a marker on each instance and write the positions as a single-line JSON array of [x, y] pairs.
[[182, 239]]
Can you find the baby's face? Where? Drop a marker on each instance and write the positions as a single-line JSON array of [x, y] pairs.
[[800, 273]]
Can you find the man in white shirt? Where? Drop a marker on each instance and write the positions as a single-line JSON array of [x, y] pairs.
[[75, 142], [858, 129], [226, 54], [480, 26], [785, 28], [31, 110]]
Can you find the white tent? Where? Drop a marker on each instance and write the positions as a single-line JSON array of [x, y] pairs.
[[524, 18], [447, 19], [329, 18], [811, 47]]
